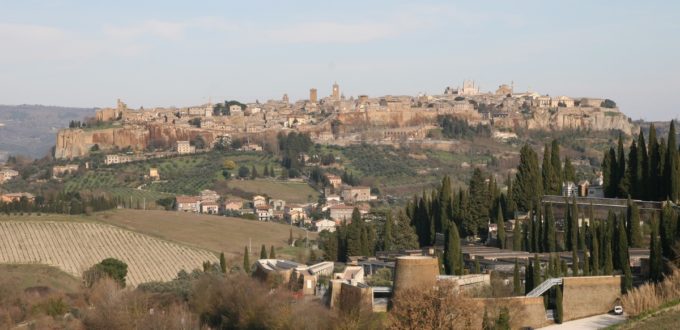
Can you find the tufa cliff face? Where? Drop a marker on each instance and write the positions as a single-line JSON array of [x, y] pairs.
[[72, 143], [583, 118], [593, 119]]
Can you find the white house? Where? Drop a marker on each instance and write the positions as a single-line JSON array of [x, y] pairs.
[[569, 189], [324, 224], [263, 213]]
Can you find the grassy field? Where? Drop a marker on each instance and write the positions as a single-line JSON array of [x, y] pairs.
[[26, 276], [668, 318], [291, 192], [214, 233]]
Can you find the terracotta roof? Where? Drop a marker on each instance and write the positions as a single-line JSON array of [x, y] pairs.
[[186, 199]]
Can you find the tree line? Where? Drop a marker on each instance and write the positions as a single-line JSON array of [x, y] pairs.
[[358, 237], [649, 171], [63, 203]]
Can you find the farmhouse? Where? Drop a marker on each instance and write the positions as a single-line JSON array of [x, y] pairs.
[[232, 205], [117, 159], [60, 170], [210, 207], [259, 200], [334, 180], [295, 213], [341, 212], [16, 197], [209, 196], [356, 194], [187, 203], [7, 174], [263, 213]]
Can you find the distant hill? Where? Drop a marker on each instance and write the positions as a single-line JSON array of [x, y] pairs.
[[31, 129]]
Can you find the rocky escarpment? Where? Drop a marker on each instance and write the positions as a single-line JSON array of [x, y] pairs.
[[73, 143], [576, 118]]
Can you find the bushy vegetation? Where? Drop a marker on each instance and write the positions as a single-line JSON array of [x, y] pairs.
[[650, 296], [378, 161], [456, 128]]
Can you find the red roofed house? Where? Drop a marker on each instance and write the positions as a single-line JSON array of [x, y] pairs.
[[187, 203]]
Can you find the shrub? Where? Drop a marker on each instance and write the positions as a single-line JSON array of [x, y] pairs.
[[650, 296]]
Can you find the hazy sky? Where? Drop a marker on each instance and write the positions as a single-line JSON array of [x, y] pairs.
[[161, 53]]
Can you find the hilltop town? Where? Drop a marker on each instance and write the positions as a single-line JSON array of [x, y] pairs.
[[334, 120]]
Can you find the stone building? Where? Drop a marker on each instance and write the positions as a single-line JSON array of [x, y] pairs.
[[184, 147]]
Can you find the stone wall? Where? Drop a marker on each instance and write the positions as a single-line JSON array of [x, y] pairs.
[[415, 272], [353, 298], [524, 311], [589, 295]]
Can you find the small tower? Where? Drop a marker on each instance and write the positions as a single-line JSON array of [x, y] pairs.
[[336, 91], [285, 98], [312, 95]]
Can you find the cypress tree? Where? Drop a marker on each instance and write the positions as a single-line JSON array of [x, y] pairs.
[[265, 172], [246, 261], [565, 267], [453, 255], [569, 173], [556, 163], [442, 219], [567, 225], [540, 244], [253, 173], [550, 232], [263, 252], [527, 186], [655, 259], [272, 252], [511, 207], [477, 268], [574, 263], [654, 165], [595, 256], [559, 312], [516, 284], [387, 233], [624, 259], [528, 277], [536, 276], [517, 236], [671, 168], [290, 237], [586, 262], [633, 225], [668, 228], [632, 179], [547, 172], [643, 168], [582, 235], [607, 246], [223, 263], [501, 227], [621, 171], [529, 234], [608, 172]]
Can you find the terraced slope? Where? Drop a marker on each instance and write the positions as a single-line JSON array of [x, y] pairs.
[[74, 247]]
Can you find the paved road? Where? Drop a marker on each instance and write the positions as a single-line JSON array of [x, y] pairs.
[[593, 322]]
